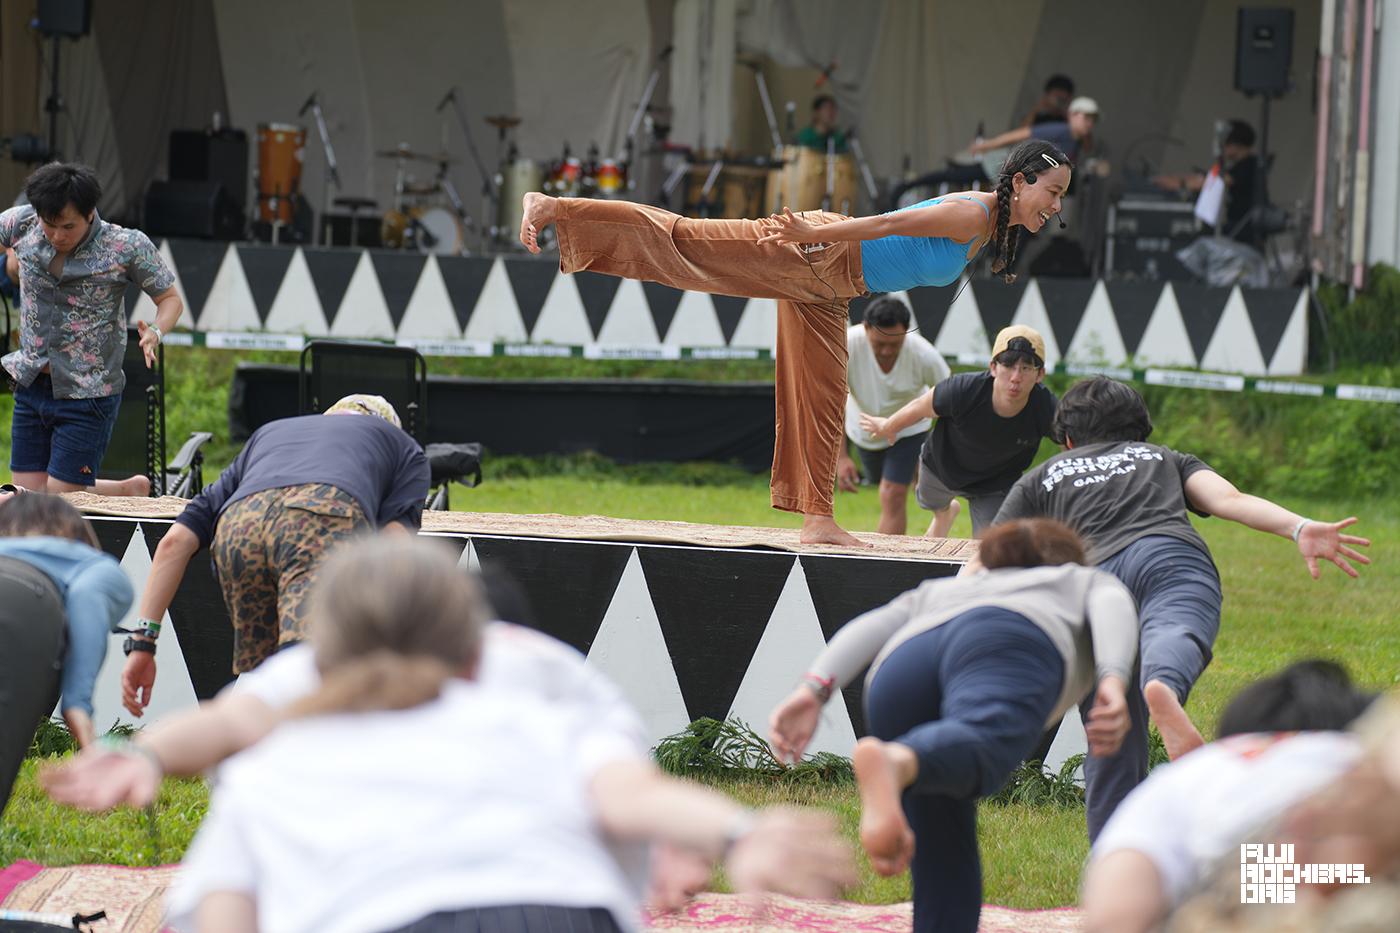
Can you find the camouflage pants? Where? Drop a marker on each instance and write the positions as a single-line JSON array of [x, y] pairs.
[[266, 550]]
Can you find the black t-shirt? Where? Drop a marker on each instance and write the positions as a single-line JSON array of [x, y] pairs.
[[974, 450], [1112, 494]]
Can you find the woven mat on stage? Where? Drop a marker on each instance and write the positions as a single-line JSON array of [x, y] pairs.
[[133, 899], [600, 528]]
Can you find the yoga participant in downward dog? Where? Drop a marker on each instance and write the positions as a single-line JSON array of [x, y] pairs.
[[965, 675], [810, 265]]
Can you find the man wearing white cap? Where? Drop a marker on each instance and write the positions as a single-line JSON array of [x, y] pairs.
[[296, 489]]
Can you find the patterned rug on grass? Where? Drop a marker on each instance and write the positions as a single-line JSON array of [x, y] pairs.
[[133, 900]]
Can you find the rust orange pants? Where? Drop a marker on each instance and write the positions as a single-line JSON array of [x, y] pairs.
[[813, 284]]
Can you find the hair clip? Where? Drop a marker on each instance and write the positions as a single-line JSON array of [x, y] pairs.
[[1047, 158]]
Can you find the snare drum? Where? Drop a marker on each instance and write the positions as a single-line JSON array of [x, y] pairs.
[[281, 147]]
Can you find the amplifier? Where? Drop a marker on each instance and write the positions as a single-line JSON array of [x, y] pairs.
[[1143, 239]]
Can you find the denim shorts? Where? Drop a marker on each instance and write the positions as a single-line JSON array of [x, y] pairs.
[[895, 464], [63, 437]]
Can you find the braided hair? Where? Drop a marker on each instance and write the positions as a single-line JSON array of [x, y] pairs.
[[1029, 158]]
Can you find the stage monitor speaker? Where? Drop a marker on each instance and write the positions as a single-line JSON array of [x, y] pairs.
[[1263, 50], [368, 230], [201, 209], [71, 18], [199, 155]]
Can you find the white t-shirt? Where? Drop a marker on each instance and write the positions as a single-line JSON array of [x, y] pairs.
[[366, 822], [514, 659], [1190, 814], [918, 368]]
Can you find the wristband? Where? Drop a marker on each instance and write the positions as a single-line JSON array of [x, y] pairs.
[[821, 686], [148, 627], [1298, 528], [160, 335], [740, 826]]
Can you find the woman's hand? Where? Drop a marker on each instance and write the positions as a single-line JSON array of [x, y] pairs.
[[878, 427], [793, 852], [1108, 719], [791, 726], [789, 228]]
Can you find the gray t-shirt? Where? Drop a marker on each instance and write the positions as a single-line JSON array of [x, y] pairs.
[[1088, 614], [1112, 494]]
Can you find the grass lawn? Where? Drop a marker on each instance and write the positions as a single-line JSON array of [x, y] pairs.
[[1274, 613]]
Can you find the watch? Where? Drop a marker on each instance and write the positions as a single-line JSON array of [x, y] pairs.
[[138, 644]]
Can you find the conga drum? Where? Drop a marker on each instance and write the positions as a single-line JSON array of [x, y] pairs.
[[281, 147], [518, 178], [804, 181]]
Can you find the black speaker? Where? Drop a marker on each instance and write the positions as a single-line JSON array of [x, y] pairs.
[[71, 18], [202, 209], [199, 155], [1263, 50], [368, 230]]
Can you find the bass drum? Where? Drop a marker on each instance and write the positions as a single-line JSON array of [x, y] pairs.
[[426, 229]]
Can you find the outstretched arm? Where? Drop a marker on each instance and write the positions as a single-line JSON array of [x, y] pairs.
[[1010, 137], [958, 220], [1212, 493], [914, 411]]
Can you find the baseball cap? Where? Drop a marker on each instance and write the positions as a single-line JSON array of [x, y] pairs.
[[1084, 105], [376, 405], [1020, 338]]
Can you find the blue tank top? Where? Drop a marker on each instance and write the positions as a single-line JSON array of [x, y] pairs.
[[894, 263]]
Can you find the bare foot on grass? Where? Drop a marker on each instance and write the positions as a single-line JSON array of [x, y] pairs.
[[881, 769], [540, 211], [1179, 734], [822, 529]]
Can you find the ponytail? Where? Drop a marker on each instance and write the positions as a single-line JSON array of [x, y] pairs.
[[378, 681]]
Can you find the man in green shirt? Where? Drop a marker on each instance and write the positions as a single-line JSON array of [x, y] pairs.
[[822, 127]]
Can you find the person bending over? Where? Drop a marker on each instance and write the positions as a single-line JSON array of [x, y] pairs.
[[1130, 500], [61, 598], [295, 490], [965, 674], [888, 366], [988, 430], [74, 269], [506, 828], [1280, 740], [813, 264]]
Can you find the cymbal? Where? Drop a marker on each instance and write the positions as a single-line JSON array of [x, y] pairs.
[[502, 122], [404, 152]]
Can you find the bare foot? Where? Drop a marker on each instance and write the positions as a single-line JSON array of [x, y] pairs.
[[822, 529], [540, 211], [943, 521], [138, 486], [1179, 735], [884, 832]]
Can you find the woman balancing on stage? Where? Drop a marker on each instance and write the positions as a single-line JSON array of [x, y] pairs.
[[808, 263]]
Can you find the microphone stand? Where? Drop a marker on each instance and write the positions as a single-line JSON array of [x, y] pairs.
[[490, 194], [332, 169], [858, 151]]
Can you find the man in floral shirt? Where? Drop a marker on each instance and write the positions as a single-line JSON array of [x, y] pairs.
[[74, 269]]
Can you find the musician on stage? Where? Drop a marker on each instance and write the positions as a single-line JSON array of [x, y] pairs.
[[812, 264], [822, 129]]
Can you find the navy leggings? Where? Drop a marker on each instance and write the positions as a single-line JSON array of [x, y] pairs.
[[970, 697], [1178, 594]]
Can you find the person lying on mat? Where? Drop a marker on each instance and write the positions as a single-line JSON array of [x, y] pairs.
[[515, 657], [507, 828], [965, 675], [61, 598], [1280, 740], [296, 489]]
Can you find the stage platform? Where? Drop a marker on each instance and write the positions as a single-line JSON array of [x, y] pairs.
[[689, 620]]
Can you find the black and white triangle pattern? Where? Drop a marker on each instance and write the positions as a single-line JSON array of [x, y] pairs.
[[515, 299], [685, 632]]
